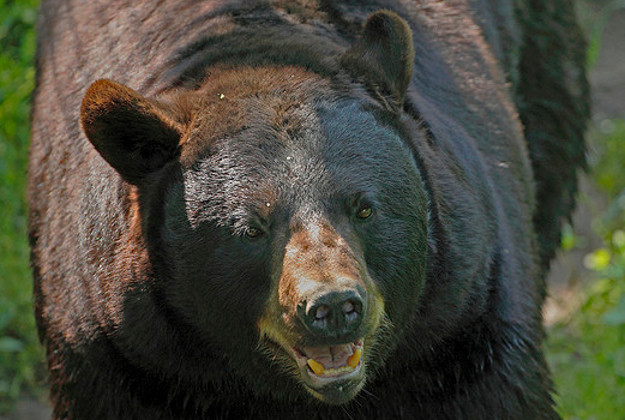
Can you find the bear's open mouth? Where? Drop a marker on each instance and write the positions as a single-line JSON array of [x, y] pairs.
[[327, 364]]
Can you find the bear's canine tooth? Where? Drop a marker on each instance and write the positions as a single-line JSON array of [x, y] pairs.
[[354, 359], [316, 367]]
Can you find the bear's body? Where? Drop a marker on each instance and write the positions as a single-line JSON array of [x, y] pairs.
[[291, 190]]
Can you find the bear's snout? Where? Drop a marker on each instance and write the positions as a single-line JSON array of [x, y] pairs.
[[335, 313], [323, 289]]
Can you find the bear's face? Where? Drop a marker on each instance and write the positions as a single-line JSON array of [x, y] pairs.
[[285, 216], [296, 239]]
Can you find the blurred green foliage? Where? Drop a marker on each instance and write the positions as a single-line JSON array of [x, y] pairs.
[[596, 22], [586, 353], [20, 354]]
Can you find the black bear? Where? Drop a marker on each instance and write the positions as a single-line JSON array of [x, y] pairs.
[[286, 209]]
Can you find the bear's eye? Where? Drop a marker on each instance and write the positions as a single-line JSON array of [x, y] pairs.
[[364, 213], [252, 232]]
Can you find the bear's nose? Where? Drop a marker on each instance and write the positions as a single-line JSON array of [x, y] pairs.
[[335, 314]]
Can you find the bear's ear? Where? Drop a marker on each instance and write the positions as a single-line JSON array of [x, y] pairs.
[[132, 133], [383, 57]]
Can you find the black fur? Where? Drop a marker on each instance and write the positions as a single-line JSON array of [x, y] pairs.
[[282, 119]]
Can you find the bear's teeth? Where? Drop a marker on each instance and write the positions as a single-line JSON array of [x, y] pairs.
[[354, 359], [342, 369], [316, 367], [350, 365]]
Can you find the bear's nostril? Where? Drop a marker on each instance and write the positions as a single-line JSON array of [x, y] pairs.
[[351, 311], [348, 308], [352, 306], [322, 312], [336, 313]]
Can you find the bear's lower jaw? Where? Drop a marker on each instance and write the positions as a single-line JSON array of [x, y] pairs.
[[338, 392], [332, 374]]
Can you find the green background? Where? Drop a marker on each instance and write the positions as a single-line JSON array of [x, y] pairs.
[[586, 344]]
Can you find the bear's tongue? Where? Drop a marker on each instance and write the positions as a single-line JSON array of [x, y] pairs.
[[329, 361]]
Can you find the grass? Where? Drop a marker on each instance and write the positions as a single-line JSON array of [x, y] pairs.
[[586, 352]]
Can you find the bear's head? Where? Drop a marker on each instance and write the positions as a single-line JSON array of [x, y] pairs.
[[284, 212]]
